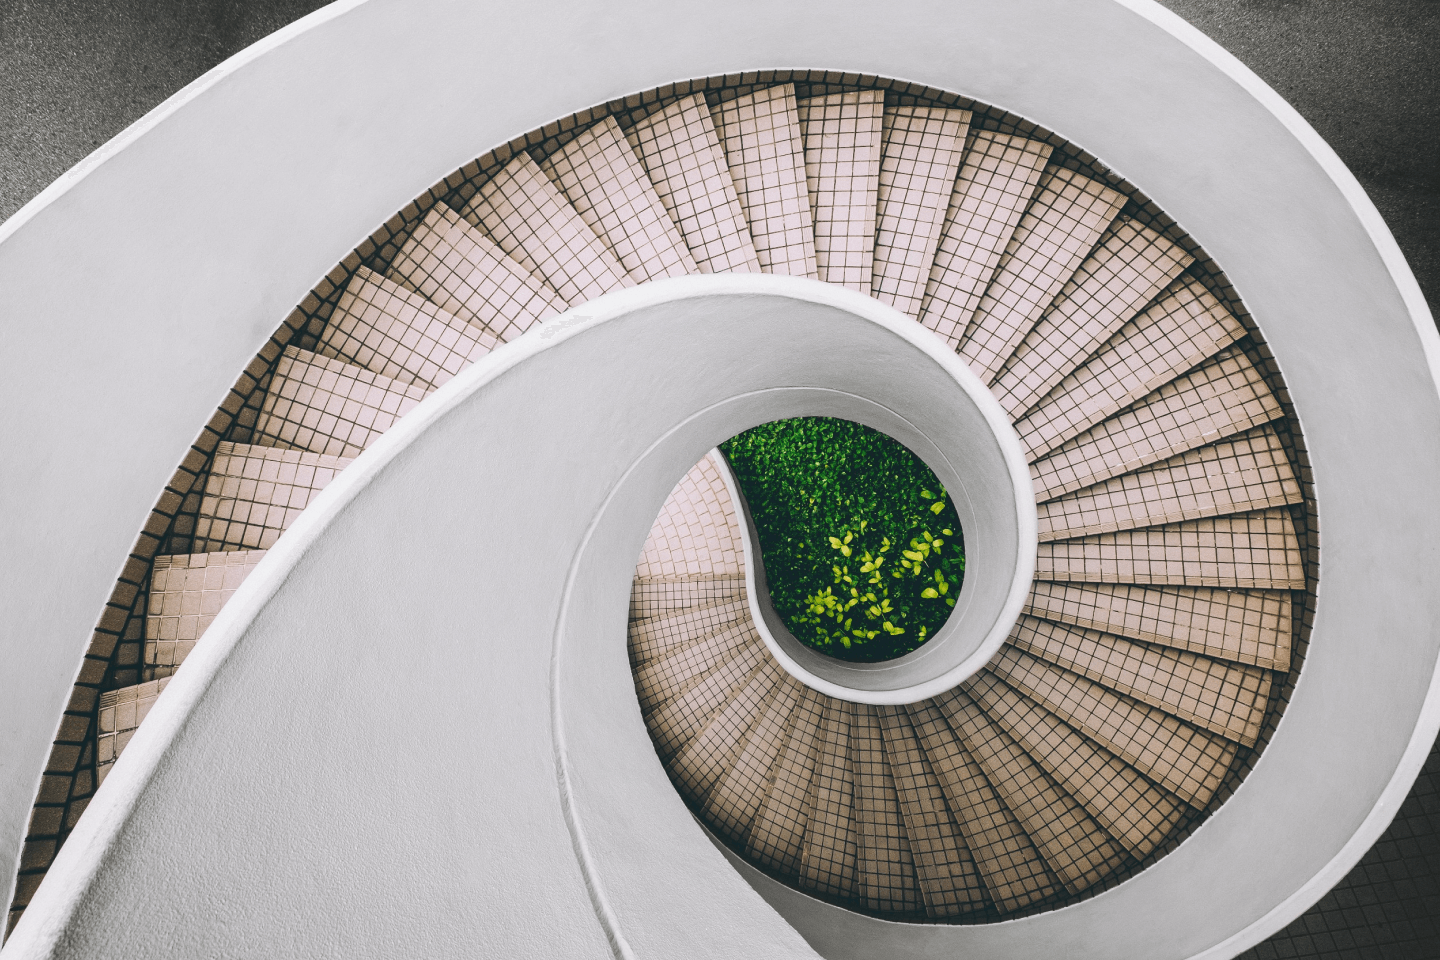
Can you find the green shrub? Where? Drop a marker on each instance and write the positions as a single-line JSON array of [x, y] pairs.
[[863, 551]]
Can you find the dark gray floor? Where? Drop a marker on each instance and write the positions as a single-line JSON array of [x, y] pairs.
[[1365, 73]]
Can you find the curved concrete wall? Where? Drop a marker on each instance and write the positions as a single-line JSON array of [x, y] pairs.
[[317, 140]]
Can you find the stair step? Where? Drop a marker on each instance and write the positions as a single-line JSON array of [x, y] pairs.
[[1186, 327], [329, 406], [1247, 626], [921, 149], [1187, 761], [120, 714], [1224, 698], [1222, 397], [842, 134], [682, 156], [605, 182], [1015, 874], [732, 804], [1059, 229], [669, 677], [705, 759], [661, 636], [678, 720], [996, 182], [1074, 846], [1130, 267], [1250, 471], [1243, 550], [252, 493], [828, 860], [697, 531], [652, 597], [465, 273], [950, 884], [885, 862], [1129, 807], [186, 594], [396, 333], [760, 133], [776, 836], [530, 219]]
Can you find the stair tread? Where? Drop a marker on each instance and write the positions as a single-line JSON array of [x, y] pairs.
[[465, 273], [1247, 472], [660, 636], [921, 150], [1060, 227], [1184, 328], [1248, 626], [677, 721], [1241, 550], [842, 134], [1131, 265], [697, 530], [1222, 397], [828, 860], [996, 182], [671, 676], [778, 831], [760, 134], [706, 757], [605, 182], [396, 333], [949, 882], [530, 219], [652, 597], [252, 493], [885, 862], [119, 715], [186, 594], [732, 803]]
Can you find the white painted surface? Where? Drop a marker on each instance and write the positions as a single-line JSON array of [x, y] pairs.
[[132, 299]]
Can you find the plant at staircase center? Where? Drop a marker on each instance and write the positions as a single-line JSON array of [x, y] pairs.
[[862, 548]]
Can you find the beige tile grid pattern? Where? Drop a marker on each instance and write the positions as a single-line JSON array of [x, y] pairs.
[[121, 712], [681, 152], [732, 803], [828, 861], [530, 219], [1060, 227], [330, 406], [702, 761], [653, 597], [760, 134], [661, 636], [186, 593], [676, 721], [921, 148], [697, 531], [886, 863], [670, 676], [252, 493], [842, 135], [778, 831]]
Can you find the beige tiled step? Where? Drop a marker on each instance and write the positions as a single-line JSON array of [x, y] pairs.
[[681, 153], [671, 676], [652, 597], [678, 720], [1130, 267], [731, 805], [1015, 875], [702, 762], [885, 863], [526, 214], [1129, 807], [661, 636], [186, 593], [1247, 472], [1183, 329], [697, 531], [776, 837], [920, 156], [464, 273], [996, 181], [329, 406], [1248, 550], [1060, 227], [396, 333], [760, 133], [1187, 761], [842, 134], [828, 857], [1075, 847], [945, 870], [1222, 397], [1247, 626], [120, 714], [252, 493], [1223, 697], [606, 184]]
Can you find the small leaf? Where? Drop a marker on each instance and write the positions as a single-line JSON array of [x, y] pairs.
[[929, 593], [927, 494], [937, 507]]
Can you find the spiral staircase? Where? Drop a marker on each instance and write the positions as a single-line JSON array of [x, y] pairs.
[[1177, 569]]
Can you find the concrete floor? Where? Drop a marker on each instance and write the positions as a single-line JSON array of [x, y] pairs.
[[73, 73]]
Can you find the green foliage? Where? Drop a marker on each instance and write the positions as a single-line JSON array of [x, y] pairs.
[[862, 548]]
